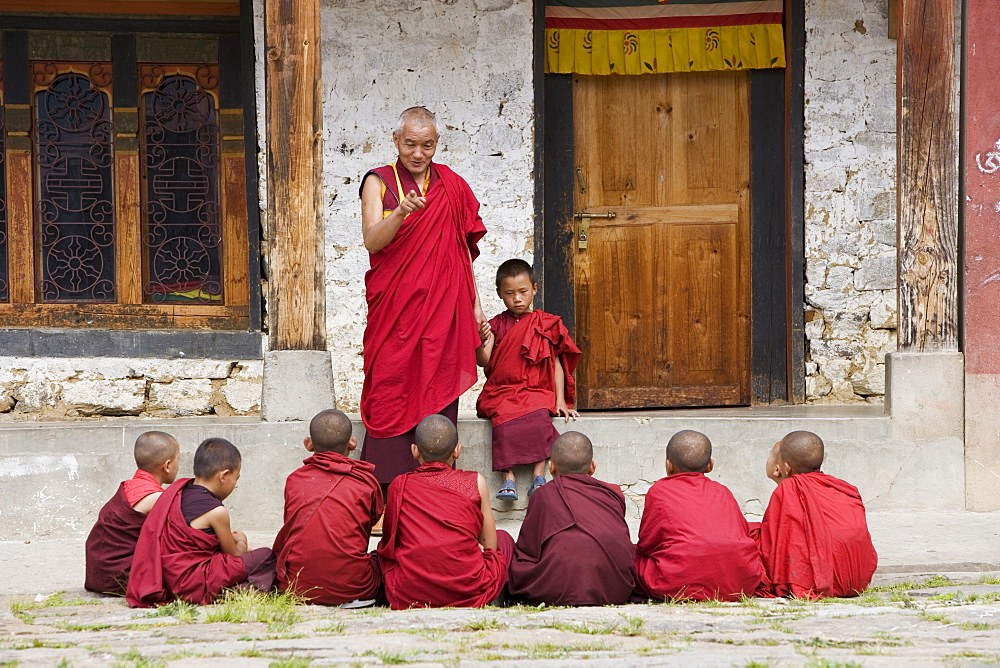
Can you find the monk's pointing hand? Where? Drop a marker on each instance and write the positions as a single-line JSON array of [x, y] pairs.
[[412, 202]]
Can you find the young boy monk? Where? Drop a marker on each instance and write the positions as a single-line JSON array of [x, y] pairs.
[[186, 549], [112, 540], [814, 538], [331, 503], [529, 360], [441, 547], [574, 547], [694, 542]]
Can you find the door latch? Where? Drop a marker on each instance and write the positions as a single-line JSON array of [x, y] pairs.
[[583, 230]]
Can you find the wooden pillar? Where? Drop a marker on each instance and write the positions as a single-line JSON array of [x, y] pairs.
[[296, 305], [927, 176]]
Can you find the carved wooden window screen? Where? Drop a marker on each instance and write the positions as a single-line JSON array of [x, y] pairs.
[[127, 217]]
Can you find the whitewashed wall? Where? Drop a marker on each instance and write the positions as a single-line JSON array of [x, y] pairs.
[[470, 63], [850, 199]]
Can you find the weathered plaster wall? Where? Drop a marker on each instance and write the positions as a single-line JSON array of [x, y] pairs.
[[48, 388], [471, 63], [850, 199]]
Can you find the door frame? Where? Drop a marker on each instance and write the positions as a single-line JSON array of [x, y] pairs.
[[777, 203]]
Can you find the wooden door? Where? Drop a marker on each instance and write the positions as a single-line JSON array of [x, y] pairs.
[[663, 288]]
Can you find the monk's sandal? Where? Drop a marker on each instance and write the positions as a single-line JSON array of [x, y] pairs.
[[508, 492], [536, 483]]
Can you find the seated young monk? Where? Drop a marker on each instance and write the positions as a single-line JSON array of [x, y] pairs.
[[186, 549], [440, 545], [574, 547], [112, 540], [694, 542], [814, 538], [331, 503]]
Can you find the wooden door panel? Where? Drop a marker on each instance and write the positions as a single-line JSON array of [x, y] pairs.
[[662, 288]]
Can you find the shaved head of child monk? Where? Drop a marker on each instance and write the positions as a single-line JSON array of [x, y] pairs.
[[814, 537], [186, 549], [112, 540], [574, 547], [331, 503], [440, 546], [694, 542]]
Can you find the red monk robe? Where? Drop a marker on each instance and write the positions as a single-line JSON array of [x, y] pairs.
[[112, 540], [430, 553], [520, 385], [814, 538], [574, 546], [421, 338], [331, 504], [174, 561], [694, 542]]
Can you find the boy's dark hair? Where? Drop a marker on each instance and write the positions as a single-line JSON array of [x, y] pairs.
[[512, 268], [214, 455], [330, 431]]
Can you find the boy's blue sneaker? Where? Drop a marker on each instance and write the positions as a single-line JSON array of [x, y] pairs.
[[508, 492], [536, 483]]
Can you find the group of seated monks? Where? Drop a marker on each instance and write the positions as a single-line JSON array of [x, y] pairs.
[[441, 547]]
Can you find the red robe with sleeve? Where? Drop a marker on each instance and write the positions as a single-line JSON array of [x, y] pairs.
[[174, 561], [814, 538], [421, 338], [429, 552], [111, 543], [331, 504], [520, 376], [574, 546], [694, 542]]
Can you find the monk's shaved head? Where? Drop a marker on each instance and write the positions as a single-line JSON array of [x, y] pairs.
[[689, 451], [330, 431], [436, 438], [802, 451], [417, 118], [214, 455], [572, 453], [153, 448]]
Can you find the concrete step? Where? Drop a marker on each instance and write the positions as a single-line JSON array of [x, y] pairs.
[[56, 475]]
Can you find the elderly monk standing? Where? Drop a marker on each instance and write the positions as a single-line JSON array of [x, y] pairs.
[[421, 225]]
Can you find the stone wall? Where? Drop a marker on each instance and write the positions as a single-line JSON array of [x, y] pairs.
[[53, 388], [471, 63], [850, 199]]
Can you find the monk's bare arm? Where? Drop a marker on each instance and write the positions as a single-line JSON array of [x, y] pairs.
[[231, 542], [145, 504], [560, 383], [378, 232], [485, 351], [488, 535]]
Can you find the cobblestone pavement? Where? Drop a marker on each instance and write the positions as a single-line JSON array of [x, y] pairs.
[[894, 624]]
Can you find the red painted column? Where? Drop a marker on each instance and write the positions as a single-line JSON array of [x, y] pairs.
[[982, 257]]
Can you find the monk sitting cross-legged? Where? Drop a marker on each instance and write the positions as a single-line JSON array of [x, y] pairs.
[[440, 546], [186, 549], [814, 538], [112, 540], [694, 542], [331, 503], [574, 547]]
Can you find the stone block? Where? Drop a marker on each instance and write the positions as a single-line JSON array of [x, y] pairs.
[[869, 380], [297, 384], [876, 273], [982, 441], [243, 396], [181, 398], [883, 311], [925, 395], [105, 397]]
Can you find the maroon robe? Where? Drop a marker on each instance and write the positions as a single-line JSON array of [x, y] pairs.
[[175, 561], [331, 503], [694, 542], [429, 552], [574, 546], [814, 538], [111, 544]]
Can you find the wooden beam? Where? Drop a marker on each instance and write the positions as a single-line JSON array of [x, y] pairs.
[[927, 176], [296, 305]]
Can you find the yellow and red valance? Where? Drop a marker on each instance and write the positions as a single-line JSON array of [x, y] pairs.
[[650, 36]]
